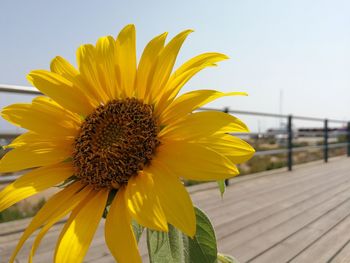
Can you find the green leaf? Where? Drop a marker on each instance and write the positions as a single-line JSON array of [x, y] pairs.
[[222, 186], [165, 247], [222, 258], [203, 248], [110, 199], [174, 246], [138, 229], [67, 182]]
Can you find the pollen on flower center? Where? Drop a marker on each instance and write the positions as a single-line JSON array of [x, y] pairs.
[[115, 142]]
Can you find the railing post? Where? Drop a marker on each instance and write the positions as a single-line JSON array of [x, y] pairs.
[[325, 141], [348, 138], [226, 110], [290, 143]]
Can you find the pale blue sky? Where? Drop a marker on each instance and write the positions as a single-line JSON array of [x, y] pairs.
[[299, 46]]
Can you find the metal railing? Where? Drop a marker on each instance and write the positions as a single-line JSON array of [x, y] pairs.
[[290, 134], [290, 149], [19, 89]]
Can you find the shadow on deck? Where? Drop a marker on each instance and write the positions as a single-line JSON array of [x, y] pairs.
[[298, 216]]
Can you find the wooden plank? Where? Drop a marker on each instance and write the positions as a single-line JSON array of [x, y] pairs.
[[259, 195], [328, 245], [236, 221], [342, 255], [45, 251], [235, 217], [305, 237], [229, 223], [248, 187], [261, 240], [276, 214], [260, 237]]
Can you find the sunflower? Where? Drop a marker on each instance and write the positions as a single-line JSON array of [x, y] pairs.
[[116, 134]]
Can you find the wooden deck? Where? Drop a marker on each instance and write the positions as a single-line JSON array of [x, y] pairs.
[[272, 217]]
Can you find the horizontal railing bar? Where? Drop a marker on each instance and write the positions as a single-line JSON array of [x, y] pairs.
[[265, 114], [338, 145], [305, 148], [315, 134], [318, 119], [19, 89], [300, 149], [4, 179], [295, 134], [270, 152]]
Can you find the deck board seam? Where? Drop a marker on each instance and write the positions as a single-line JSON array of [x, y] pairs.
[[317, 239], [287, 208], [259, 193], [300, 229], [338, 251]]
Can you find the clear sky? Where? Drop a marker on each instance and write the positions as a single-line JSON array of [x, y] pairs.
[[299, 47]]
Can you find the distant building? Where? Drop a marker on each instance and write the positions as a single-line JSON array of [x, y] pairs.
[[319, 132]]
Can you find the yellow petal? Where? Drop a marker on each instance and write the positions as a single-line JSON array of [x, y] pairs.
[[50, 121], [182, 75], [209, 58], [176, 202], [165, 64], [34, 155], [61, 90], [33, 138], [119, 234], [144, 204], [195, 162], [106, 55], [33, 183], [77, 235], [191, 101], [164, 98], [62, 67], [126, 59], [237, 150], [61, 210], [147, 63], [59, 199], [23, 139], [46, 104], [87, 64], [203, 124]]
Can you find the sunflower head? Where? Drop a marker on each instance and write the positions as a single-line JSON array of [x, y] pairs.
[[114, 126], [121, 135]]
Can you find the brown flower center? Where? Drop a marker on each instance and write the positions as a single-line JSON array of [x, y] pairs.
[[115, 142]]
